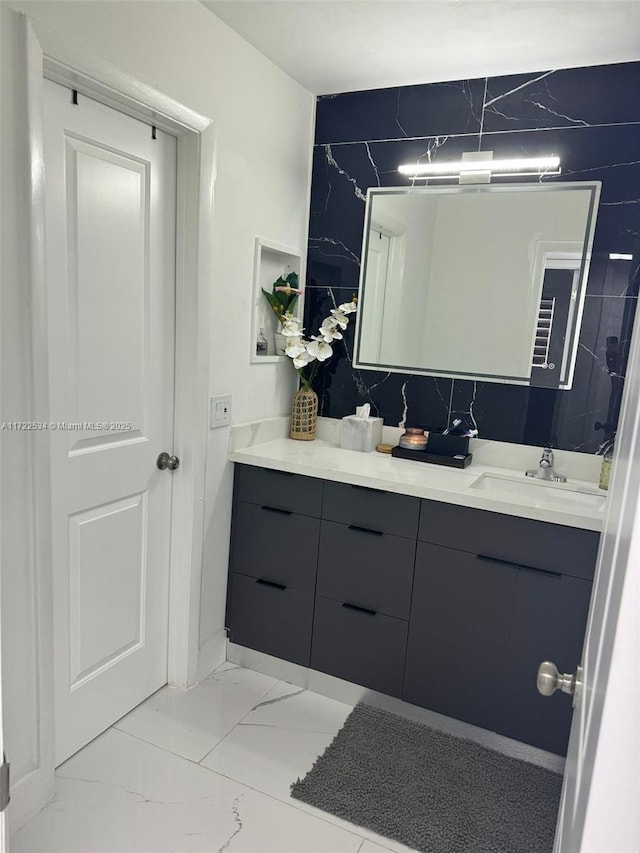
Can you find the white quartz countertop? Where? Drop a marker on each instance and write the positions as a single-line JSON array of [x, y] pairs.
[[578, 503]]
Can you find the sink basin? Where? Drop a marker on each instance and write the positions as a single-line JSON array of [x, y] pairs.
[[539, 493]]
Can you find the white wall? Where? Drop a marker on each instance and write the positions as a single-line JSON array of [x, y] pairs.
[[263, 123]]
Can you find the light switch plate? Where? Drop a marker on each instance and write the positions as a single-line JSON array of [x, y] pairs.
[[220, 412]]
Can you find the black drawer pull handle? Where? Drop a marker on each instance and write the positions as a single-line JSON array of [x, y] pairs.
[[359, 609], [367, 489], [275, 509], [275, 585], [366, 530], [518, 566]]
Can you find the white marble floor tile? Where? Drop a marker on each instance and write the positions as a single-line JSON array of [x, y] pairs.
[[279, 741], [191, 722], [371, 847], [121, 795]]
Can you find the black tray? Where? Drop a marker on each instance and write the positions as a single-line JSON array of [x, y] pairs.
[[460, 461]]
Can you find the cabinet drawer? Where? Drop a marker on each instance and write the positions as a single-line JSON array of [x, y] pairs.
[[276, 545], [360, 647], [552, 547], [279, 489], [270, 619], [370, 569], [376, 510]]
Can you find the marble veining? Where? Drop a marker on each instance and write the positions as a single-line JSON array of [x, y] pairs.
[[124, 793], [590, 117], [331, 160], [278, 699], [238, 828], [489, 103]]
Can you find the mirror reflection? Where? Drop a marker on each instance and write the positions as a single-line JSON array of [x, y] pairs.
[[477, 282]]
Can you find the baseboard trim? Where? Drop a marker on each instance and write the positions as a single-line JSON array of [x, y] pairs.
[[351, 694]]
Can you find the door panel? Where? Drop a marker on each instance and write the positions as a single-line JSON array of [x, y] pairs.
[[108, 282], [107, 575], [110, 252]]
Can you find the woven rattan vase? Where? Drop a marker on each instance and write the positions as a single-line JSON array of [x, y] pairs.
[[304, 415]]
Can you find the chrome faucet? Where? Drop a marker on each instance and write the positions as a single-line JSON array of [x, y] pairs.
[[545, 471]]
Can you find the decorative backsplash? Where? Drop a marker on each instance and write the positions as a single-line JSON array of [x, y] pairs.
[[590, 117]]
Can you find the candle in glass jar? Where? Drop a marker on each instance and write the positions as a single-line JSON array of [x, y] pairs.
[[413, 439]]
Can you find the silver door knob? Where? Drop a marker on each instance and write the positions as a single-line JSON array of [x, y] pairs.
[[166, 461], [549, 680]]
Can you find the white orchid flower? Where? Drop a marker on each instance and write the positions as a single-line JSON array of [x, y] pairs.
[[329, 331], [294, 347], [341, 319], [319, 349], [304, 358], [291, 327], [348, 307]]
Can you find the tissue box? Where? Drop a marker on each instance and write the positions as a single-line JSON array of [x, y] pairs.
[[361, 433]]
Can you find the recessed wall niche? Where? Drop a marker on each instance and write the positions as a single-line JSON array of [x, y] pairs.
[[590, 118], [270, 262]]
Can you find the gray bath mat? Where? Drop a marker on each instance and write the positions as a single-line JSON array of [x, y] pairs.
[[432, 791]]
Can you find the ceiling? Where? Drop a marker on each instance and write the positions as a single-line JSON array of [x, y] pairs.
[[331, 46]]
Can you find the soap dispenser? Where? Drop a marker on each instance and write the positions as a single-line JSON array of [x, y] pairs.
[[261, 343], [605, 470]]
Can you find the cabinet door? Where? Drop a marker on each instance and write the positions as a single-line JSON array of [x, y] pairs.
[[549, 621], [458, 635]]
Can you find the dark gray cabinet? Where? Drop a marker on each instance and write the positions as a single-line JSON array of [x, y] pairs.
[[553, 547], [549, 619], [277, 545], [460, 623], [359, 645], [280, 489], [373, 570], [373, 509], [365, 578], [447, 607], [498, 595], [271, 618], [273, 562]]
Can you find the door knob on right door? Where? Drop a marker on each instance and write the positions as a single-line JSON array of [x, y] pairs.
[[549, 680]]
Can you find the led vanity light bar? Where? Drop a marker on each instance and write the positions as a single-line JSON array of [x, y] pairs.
[[520, 166]]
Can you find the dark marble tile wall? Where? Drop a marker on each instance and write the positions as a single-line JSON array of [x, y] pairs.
[[591, 118]]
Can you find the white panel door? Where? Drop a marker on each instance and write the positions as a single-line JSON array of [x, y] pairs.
[[110, 252], [599, 805]]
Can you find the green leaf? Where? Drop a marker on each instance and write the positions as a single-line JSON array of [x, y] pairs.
[[274, 302]]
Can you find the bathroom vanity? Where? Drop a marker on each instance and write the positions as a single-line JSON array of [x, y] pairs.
[[420, 584]]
